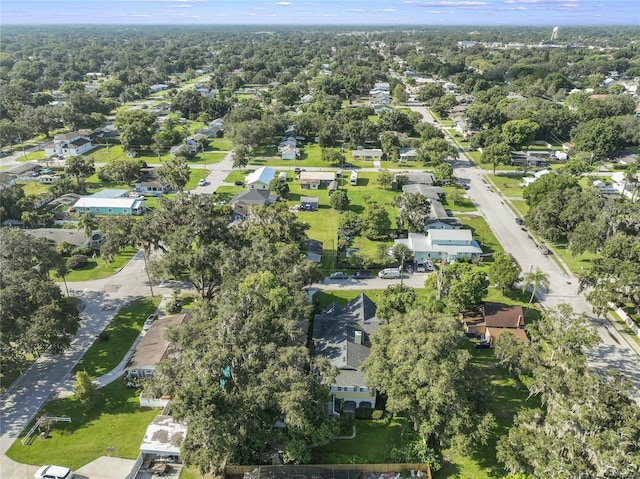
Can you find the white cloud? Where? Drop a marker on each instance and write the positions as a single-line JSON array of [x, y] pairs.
[[447, 4], [284, 4]]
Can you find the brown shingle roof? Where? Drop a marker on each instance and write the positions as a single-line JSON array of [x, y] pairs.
[[499, 315], [153, 347]]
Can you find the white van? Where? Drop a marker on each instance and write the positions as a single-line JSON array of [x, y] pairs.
[[389, 273], [354, 178], [283, 175]]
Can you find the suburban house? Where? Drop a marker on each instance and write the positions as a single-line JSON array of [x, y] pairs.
[[313, 248], [492, 319], [194, 142], [73, 144], [290, 142], [162, 108], [408, 154], [308, 98], [73, 237], [367, 154], [149, 182], [439, 219], [109, 202], [309, 203], [430, 192], [313, 180], [413, 178], [158, 87], [242, 203], [152, 347], [377, 109], [290, 153], [446, 244], [260, 178], [342, 334]]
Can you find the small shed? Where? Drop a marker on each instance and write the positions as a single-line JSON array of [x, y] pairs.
[[309, 203]]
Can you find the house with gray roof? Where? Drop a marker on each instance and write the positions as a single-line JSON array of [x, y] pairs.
[[243, 202], [342, 334]]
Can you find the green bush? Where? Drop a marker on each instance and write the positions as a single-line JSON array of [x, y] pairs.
[[83, 250], [364, 413], [377, 414], [103, 336], [64, 248], [77, 261]]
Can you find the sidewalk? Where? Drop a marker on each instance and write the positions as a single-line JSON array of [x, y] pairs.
[[66, 388]]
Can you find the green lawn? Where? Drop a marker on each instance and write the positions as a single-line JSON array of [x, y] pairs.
[[521, 206], [463, 206], [116, 421], [508, 183], [370, 446], [32, 156], [482, 233], [208, 157], [195, 175], [106, 154], [123, 329], [97, 268], [578, 264], [221, 144], [237, 175], [33, 188]]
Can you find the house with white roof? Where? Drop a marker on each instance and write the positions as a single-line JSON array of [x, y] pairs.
[[527, 180], [447, 244], [260, 178]]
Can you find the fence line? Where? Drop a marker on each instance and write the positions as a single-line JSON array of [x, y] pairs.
[[365, 468]]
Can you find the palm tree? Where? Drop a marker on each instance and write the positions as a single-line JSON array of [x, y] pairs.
[[535, 279], [88, 223], [401, 252]]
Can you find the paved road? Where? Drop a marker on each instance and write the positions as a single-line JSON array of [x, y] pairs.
[[103, 298], [614, 350]]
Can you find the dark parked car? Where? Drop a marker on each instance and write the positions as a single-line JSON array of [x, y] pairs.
[[519, 221], [466, 187], [483, 345], [361, 275], [338, 275], [297, 171], [239, 183]]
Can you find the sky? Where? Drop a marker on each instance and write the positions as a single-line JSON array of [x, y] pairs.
[[322, 12]]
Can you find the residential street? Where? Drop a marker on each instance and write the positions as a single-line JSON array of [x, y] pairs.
[[103, 298]]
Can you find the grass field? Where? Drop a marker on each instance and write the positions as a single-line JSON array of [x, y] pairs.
[[116, 421], [508, 183], [578, 264], [33, 187], [521, 206], [482, 233], [97, 268], [32, 156], [123, 329]]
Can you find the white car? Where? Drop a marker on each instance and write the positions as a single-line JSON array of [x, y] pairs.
[[53, 472], [202, 182]]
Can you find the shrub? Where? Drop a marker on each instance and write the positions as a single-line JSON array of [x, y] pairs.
[[77, 261], [377, 414], [64, 248], [364, 413], [103, 336], [83, 250]]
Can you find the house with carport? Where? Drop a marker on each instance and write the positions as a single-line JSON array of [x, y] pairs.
[[342, 334], [75, 143], [367, 154]]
